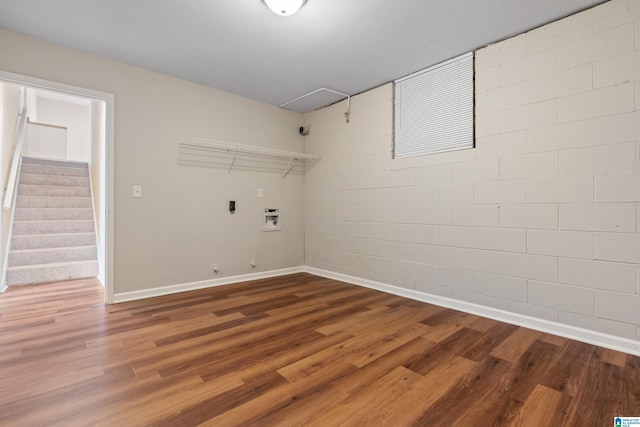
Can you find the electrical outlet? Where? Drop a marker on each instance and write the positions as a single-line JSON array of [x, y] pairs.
[[137, 191], [260, 192]]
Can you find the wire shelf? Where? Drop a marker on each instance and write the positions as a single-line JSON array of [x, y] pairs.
[[212, 152]]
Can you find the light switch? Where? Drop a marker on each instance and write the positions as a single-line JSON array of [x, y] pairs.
[[260, 192], [137, 191]]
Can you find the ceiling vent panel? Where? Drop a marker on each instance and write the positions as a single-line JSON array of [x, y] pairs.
[[313, 100]]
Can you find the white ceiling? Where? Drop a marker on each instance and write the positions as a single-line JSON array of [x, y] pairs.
[[240, 46]]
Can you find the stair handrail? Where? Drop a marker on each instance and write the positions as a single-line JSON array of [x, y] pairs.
[[15, 163]]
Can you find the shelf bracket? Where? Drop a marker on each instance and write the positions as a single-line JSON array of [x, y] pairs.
[[288, 168], [233, 161], [347, 114]]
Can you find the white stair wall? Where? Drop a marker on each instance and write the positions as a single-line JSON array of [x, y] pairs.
[[53, 235]]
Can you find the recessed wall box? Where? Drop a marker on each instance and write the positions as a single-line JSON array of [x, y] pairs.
[[271, 219]]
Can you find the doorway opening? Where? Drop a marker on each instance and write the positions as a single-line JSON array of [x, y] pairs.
[[78, 124]]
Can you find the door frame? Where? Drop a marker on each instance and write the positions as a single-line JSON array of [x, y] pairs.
[[108, 159]]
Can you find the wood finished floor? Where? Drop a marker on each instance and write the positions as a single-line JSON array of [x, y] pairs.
[[290, 351]]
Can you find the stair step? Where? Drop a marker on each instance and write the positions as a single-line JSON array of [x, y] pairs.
[[52, 255], [53, 190], [53, 231], [71, 181], [52, 227], [52, 214], [53, 170], [53, 202], [59, 163], [38, 179], [42, 273], [40, 241]]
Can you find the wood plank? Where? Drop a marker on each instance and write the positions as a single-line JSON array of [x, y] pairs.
[[380, 393], [401, 408], [250, 354], [493, 337], [514, 388], [278, 404], [481, 384], [290, 351], [516, 344], [608, 383], [613, 357], [569, 372], [447, 323], [454, 346], [166, 400], [544, 407], [210, 407], [382, 366]]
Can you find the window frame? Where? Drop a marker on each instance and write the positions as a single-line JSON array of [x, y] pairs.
[[470, 140]]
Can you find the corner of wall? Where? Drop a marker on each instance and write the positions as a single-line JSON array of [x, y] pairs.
[[541, 219]]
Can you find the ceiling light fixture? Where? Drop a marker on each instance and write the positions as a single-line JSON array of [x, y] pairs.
[[284, 7]]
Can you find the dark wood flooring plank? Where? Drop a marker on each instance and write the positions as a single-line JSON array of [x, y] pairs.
[[380, 393], [570, 369], [545, 407], [514, 346], [493, 337], [446, 324], [480, 384], [631, 378], [604, 391], [209, 408], [279, 403], [292, 350], [250, 354], [454, 346], [209, 330], [383, 365], [359, 351], [514, 389], [402, 407], [199, 351], [168, 400]]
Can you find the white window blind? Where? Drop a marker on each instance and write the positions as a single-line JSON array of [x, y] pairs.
[[434, 109]]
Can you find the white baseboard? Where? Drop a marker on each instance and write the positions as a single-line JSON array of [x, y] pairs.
[[579, 334], [184, 287]]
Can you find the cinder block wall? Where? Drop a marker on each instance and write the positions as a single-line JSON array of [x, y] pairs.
[[542, 218]]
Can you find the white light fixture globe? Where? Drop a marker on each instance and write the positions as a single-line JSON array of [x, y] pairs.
[[284, 7]]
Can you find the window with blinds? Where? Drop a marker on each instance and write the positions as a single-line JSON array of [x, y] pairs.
[[434, 109]]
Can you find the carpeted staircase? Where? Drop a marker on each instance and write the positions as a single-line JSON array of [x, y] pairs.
[[53, 235]]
